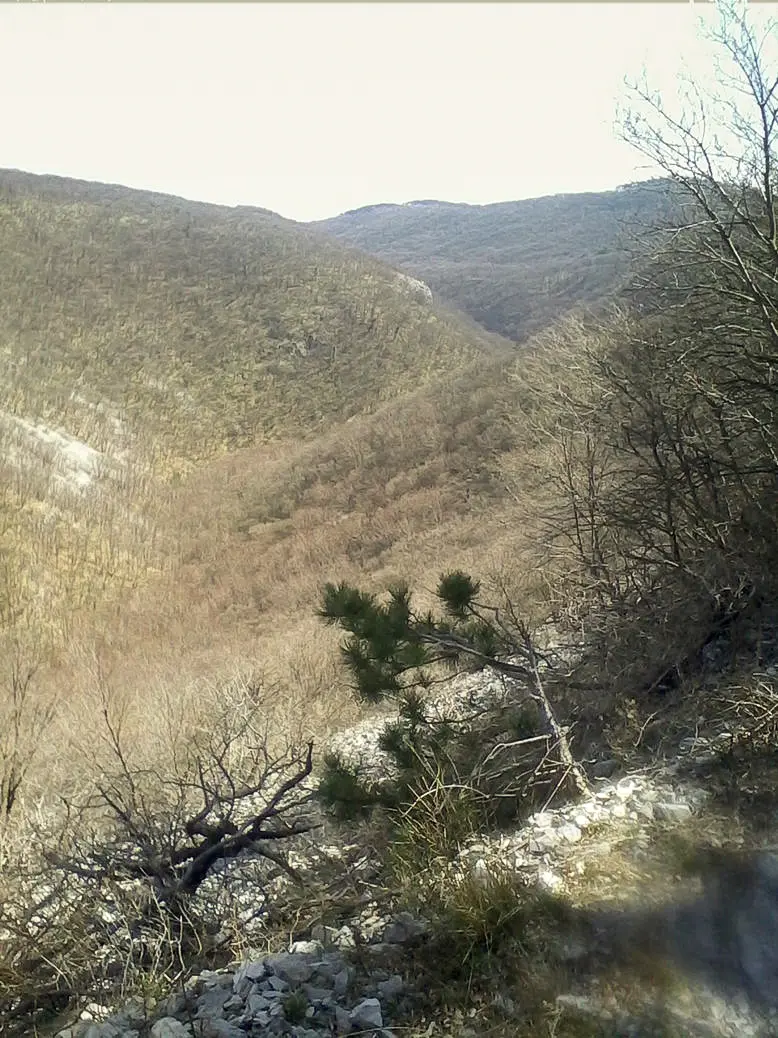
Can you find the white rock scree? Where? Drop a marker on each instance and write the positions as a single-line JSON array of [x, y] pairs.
[[307, 992]]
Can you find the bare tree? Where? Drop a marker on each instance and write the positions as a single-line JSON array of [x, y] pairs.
[[25, 714], [227, 793], [664, 435], [112, 886], [715, 269]]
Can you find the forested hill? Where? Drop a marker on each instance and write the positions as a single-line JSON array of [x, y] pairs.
[[214, 326], [514, 267]]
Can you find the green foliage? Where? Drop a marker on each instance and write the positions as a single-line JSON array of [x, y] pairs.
[[458, 592], [295, 1006], [385, 641], [344, 791], [485, 637], [437, 788], [523, 723]]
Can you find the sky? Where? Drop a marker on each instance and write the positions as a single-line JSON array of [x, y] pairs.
[[313, 109]]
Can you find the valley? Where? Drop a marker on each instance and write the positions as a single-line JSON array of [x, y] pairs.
[[221, 428], [513, 267]]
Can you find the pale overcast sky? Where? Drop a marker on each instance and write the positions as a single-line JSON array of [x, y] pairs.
[[311, 109]]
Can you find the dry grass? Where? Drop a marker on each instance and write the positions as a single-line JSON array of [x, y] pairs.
[[521, 963]]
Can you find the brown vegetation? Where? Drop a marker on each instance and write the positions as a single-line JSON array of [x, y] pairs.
[[267, 412], [514, 267]]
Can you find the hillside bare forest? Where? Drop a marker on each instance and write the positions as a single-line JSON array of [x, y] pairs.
[[514, 267], [325, 597]]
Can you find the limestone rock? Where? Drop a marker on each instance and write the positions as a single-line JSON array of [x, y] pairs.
[[404, 927], [672, 812], [391, 988], [367, 1014], [169, 1027]]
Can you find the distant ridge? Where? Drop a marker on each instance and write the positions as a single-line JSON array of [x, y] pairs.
[[512, 266], [55, 186]]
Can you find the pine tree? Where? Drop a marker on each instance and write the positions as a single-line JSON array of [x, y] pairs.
[[392, 652]]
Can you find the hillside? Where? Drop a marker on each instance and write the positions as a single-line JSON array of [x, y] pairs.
[[514, 267], [366, 671], [142, 334], [211, 415], [219, 326], [207, 413]]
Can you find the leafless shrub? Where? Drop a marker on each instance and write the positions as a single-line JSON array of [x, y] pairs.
[[111, 889], [25, 715], [751, 710]]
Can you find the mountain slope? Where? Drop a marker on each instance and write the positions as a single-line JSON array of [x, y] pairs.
[[514, 267], [141, 335], [213, 326]]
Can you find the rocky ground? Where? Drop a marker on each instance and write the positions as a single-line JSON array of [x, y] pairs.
[[322, 986]]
